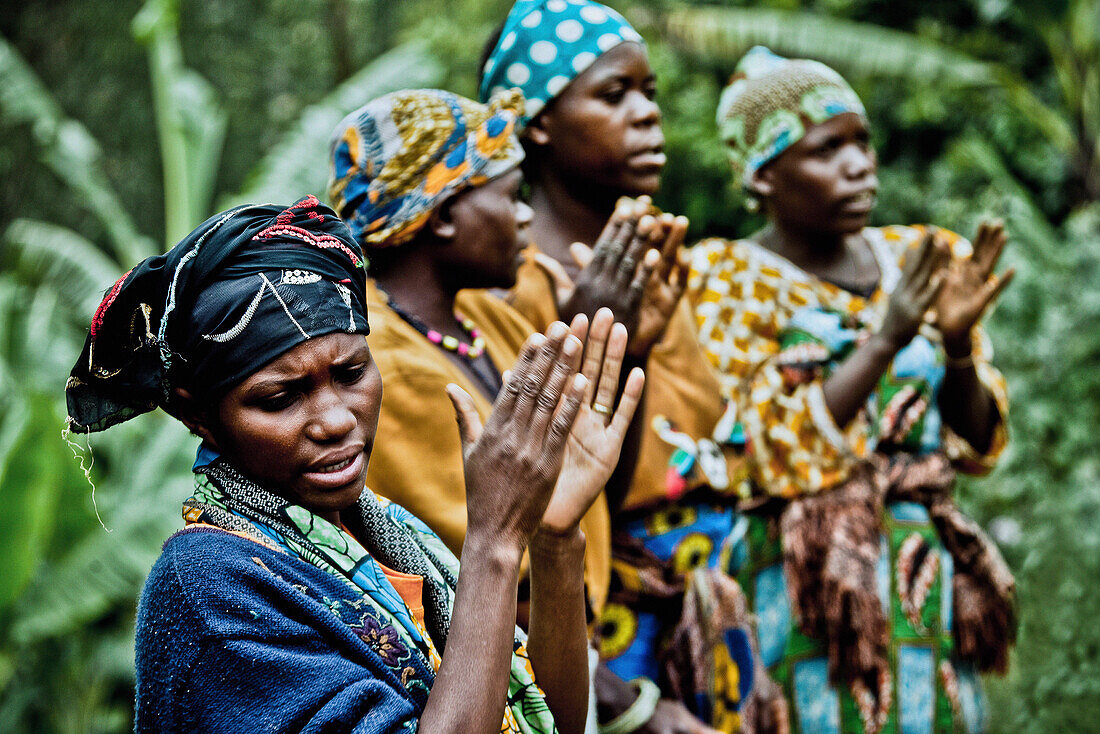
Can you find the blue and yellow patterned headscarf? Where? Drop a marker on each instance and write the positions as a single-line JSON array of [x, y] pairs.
[[397, 158], [771, 101], [545, 44]]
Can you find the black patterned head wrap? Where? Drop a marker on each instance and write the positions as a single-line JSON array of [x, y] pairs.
[[243, 288]]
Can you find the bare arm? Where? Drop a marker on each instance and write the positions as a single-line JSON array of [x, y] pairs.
[[479, 644], [558, 638], [846, 390], [511, 466], [965, 404], [558, 643]]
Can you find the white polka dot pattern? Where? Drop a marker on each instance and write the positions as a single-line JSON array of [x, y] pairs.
[[545, 44], [518, 74], [570, 30], [556, 84], [583, 60], [608, 41], [543, 52], [593, 14]]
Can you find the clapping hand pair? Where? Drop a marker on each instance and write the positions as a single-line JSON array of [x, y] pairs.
[[554, 434], [949, 292], [634, 269]]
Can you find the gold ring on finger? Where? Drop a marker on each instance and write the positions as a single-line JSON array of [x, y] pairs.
[[602, 409]]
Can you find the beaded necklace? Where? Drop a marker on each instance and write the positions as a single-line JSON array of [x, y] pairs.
[[471, 351]]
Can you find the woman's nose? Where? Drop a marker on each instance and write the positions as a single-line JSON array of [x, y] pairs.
[[524, 214], [858, 161], [332, 421], [646, 111]]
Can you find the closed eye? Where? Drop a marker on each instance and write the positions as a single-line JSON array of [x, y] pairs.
[[278, 401], [351, 374]]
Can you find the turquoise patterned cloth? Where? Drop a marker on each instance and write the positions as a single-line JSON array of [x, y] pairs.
[[932, 691], [545, 44]]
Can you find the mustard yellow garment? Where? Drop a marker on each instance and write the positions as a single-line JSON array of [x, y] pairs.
[[417, 461]]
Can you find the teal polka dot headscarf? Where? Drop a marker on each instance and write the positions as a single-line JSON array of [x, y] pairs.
[[545, 44]]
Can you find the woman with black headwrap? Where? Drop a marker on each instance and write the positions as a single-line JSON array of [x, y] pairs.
[[294, 599]]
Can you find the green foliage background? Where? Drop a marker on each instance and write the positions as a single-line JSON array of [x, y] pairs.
[[980, 108]]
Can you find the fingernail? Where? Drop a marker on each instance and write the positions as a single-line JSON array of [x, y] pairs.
[[579, 381], [557, 330], [572, 346]]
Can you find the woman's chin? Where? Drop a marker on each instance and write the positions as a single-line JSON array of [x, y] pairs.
[[643, 184]]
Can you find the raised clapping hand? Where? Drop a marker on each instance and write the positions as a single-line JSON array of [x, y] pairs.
[[916, 291], [635, 270], [547, 412], [600, 428], [969, 286]]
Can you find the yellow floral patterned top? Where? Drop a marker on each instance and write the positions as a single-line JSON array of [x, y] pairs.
[[744, 298]]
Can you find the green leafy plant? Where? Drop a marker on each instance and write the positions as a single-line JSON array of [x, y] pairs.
[[74, 556]]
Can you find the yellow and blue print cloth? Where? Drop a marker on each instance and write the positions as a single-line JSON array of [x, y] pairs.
[[545, 44], [398, 157]]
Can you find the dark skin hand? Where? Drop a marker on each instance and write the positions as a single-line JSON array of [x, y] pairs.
[[969, 288], [557, 548], [634, 269], [510, 473], [648, 292], [846, 390], [614, 696], [951, 293]]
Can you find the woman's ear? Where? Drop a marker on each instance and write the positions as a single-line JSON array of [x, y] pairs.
[[187, 409], [535, 133], [762, 183], [441, 222]]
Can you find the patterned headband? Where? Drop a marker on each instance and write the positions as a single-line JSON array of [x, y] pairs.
[[545, 44], [397, 158], [771, 101]]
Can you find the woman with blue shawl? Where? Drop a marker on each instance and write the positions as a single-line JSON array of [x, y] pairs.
[[295, 599]]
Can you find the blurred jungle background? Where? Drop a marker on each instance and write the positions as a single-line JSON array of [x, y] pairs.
[[123, 124]]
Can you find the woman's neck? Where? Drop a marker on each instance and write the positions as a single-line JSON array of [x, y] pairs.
[[839, 258], [415, 285], [808, 249], [418, 289], [564, 214]]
